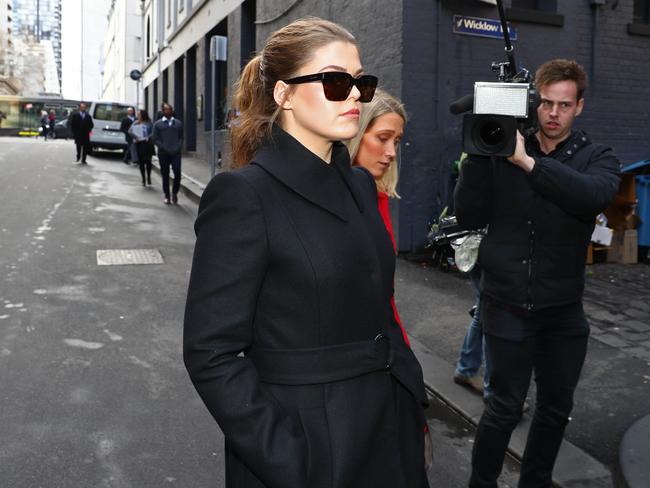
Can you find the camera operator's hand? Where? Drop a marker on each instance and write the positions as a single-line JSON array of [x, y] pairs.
[[521, 157]]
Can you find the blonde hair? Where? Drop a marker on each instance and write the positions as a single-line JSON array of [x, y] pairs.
[[382, 103], [285, 52]]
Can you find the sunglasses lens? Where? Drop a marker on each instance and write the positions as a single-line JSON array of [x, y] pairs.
[[366, 85], [337, 86]]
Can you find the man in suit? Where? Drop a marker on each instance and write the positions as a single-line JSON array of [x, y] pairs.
[[81, 124], [168, 138], [125, 125]]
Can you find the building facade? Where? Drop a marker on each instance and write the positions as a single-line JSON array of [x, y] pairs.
[[40, 20], [122, 52], [8, 84], [419, 55], [85, 25], [177, 69]]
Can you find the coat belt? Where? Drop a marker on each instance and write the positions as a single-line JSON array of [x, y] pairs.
[[337, 363]]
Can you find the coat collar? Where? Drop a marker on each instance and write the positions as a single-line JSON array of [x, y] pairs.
[[566, 149], [297, 167]]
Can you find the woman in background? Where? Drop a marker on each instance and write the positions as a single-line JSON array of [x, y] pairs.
[[141, 131], [375, 148]]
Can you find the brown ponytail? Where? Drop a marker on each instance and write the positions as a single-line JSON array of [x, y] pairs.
[[285, 52], [257, 110]]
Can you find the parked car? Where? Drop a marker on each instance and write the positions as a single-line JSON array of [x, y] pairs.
[[61, 130], [107, 117]]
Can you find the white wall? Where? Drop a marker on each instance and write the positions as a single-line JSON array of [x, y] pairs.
[[208, 15], [81, 54], [122, 52]]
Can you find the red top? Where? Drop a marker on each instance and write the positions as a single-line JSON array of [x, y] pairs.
[[382, 203]]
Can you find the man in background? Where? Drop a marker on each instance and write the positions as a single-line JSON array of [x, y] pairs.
[[168, 138], [125, 125], [81, 123], [540, 205]]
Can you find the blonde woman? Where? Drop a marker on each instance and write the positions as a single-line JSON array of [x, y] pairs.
[[375, 148]]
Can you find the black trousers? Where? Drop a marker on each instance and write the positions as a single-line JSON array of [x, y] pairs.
[[82, 149], [554, 346], [167, 160], [144, 152]]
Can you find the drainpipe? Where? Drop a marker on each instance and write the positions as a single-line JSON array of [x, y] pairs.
[[595, 9]]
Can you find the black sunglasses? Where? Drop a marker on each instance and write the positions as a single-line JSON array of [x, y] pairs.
[[337, 85]]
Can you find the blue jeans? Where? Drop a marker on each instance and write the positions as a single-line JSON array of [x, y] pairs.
[[474, 350]]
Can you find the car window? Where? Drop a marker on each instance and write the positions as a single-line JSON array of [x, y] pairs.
[[110, 111]]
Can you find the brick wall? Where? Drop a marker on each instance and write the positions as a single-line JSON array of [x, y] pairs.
[[440, 66]]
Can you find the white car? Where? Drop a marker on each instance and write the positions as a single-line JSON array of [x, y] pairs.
[[107, 117]]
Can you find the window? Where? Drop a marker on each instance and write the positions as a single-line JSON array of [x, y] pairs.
[[110, 111], [148, 54], [640, 18], [544, 5], [535, 12], [641, 12]]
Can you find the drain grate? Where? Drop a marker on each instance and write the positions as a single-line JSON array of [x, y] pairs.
[[119, 257]]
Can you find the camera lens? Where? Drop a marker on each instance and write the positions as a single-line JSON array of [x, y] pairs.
[[491, 134]]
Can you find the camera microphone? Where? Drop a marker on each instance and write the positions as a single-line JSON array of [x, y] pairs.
[[463, 104]]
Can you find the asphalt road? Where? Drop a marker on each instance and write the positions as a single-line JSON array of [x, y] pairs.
[[93, 390]]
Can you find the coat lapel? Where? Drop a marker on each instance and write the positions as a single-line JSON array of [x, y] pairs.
[[306, 174]]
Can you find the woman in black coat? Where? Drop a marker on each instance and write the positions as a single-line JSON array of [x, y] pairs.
[[293, 267]]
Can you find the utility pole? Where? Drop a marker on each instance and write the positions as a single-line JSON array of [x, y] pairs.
[[38, 20], [81, 72], [218, 52]]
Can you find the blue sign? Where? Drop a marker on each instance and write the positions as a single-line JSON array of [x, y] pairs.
[[476, 26]]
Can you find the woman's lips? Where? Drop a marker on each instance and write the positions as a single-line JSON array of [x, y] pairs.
[[351, 113]]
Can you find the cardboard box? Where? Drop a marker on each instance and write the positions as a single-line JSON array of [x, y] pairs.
[[626, 194], [624, 247], [602, 235], [622, 217]]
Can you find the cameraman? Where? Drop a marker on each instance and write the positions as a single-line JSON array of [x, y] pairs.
[[540, 205]]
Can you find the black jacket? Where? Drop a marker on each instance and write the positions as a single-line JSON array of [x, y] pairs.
[[540, 224], [125, 125], [292, 259], [168, 139], [81, 127]]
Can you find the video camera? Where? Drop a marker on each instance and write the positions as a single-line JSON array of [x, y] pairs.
[[500, 108]]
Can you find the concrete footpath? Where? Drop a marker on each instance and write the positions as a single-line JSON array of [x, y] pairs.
[[612, 396]]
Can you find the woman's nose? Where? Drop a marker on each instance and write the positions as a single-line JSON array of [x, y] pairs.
[[355, 93]]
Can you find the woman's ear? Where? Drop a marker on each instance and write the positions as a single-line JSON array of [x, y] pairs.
[[282, 95]]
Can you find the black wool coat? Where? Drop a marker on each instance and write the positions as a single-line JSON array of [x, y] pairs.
[[81, 127], [292, 267]]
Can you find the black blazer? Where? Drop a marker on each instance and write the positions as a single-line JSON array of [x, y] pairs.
[[293, 256], [125, 125], [81, 127]]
